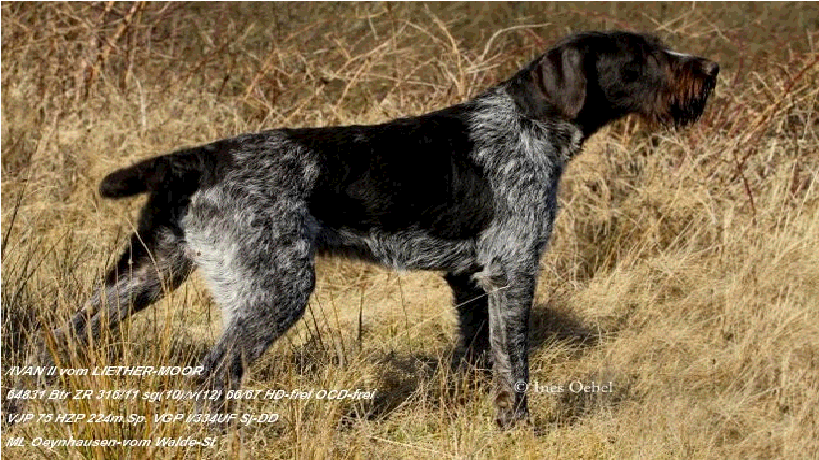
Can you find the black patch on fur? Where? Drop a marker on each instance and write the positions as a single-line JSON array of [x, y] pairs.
[[410, 173]]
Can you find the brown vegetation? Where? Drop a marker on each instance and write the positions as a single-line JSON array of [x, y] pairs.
[[684, 269]]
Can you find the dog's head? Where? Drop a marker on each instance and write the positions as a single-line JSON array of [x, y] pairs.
[[592, 78]]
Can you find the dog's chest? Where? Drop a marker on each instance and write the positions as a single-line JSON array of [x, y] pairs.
[[525, 176], [526, 196]]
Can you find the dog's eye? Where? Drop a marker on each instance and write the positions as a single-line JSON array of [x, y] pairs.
[[631, 71]]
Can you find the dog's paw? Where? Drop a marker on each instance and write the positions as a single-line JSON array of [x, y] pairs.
[[508, 415]]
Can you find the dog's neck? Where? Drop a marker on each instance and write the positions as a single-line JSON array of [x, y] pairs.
[[501, 129]]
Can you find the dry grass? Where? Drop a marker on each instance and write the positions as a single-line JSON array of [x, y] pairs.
[[685, 265]]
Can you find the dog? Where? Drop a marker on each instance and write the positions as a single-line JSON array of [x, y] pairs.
[[469, 190]]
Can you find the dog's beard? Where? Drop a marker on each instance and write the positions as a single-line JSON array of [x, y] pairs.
[[681, 105], [686, 107]]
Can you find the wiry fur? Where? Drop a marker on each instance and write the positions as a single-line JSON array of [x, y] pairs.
[[470, 190]]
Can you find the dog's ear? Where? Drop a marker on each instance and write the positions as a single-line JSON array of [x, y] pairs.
[[561, 75]]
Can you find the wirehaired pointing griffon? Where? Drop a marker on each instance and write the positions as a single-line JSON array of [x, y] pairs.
[[470, 191]]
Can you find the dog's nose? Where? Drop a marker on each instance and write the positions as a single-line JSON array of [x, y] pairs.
[[710, 68]]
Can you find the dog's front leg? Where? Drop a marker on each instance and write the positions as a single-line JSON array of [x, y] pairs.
[[511, 291], [471, 303]]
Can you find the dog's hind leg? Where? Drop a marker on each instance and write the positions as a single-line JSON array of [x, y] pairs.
[[154, 262], [258, 260]]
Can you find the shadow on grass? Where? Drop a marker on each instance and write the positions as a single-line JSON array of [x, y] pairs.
[[406, 378]]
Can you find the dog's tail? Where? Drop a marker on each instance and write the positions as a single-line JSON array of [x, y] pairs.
[[179, 170]]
